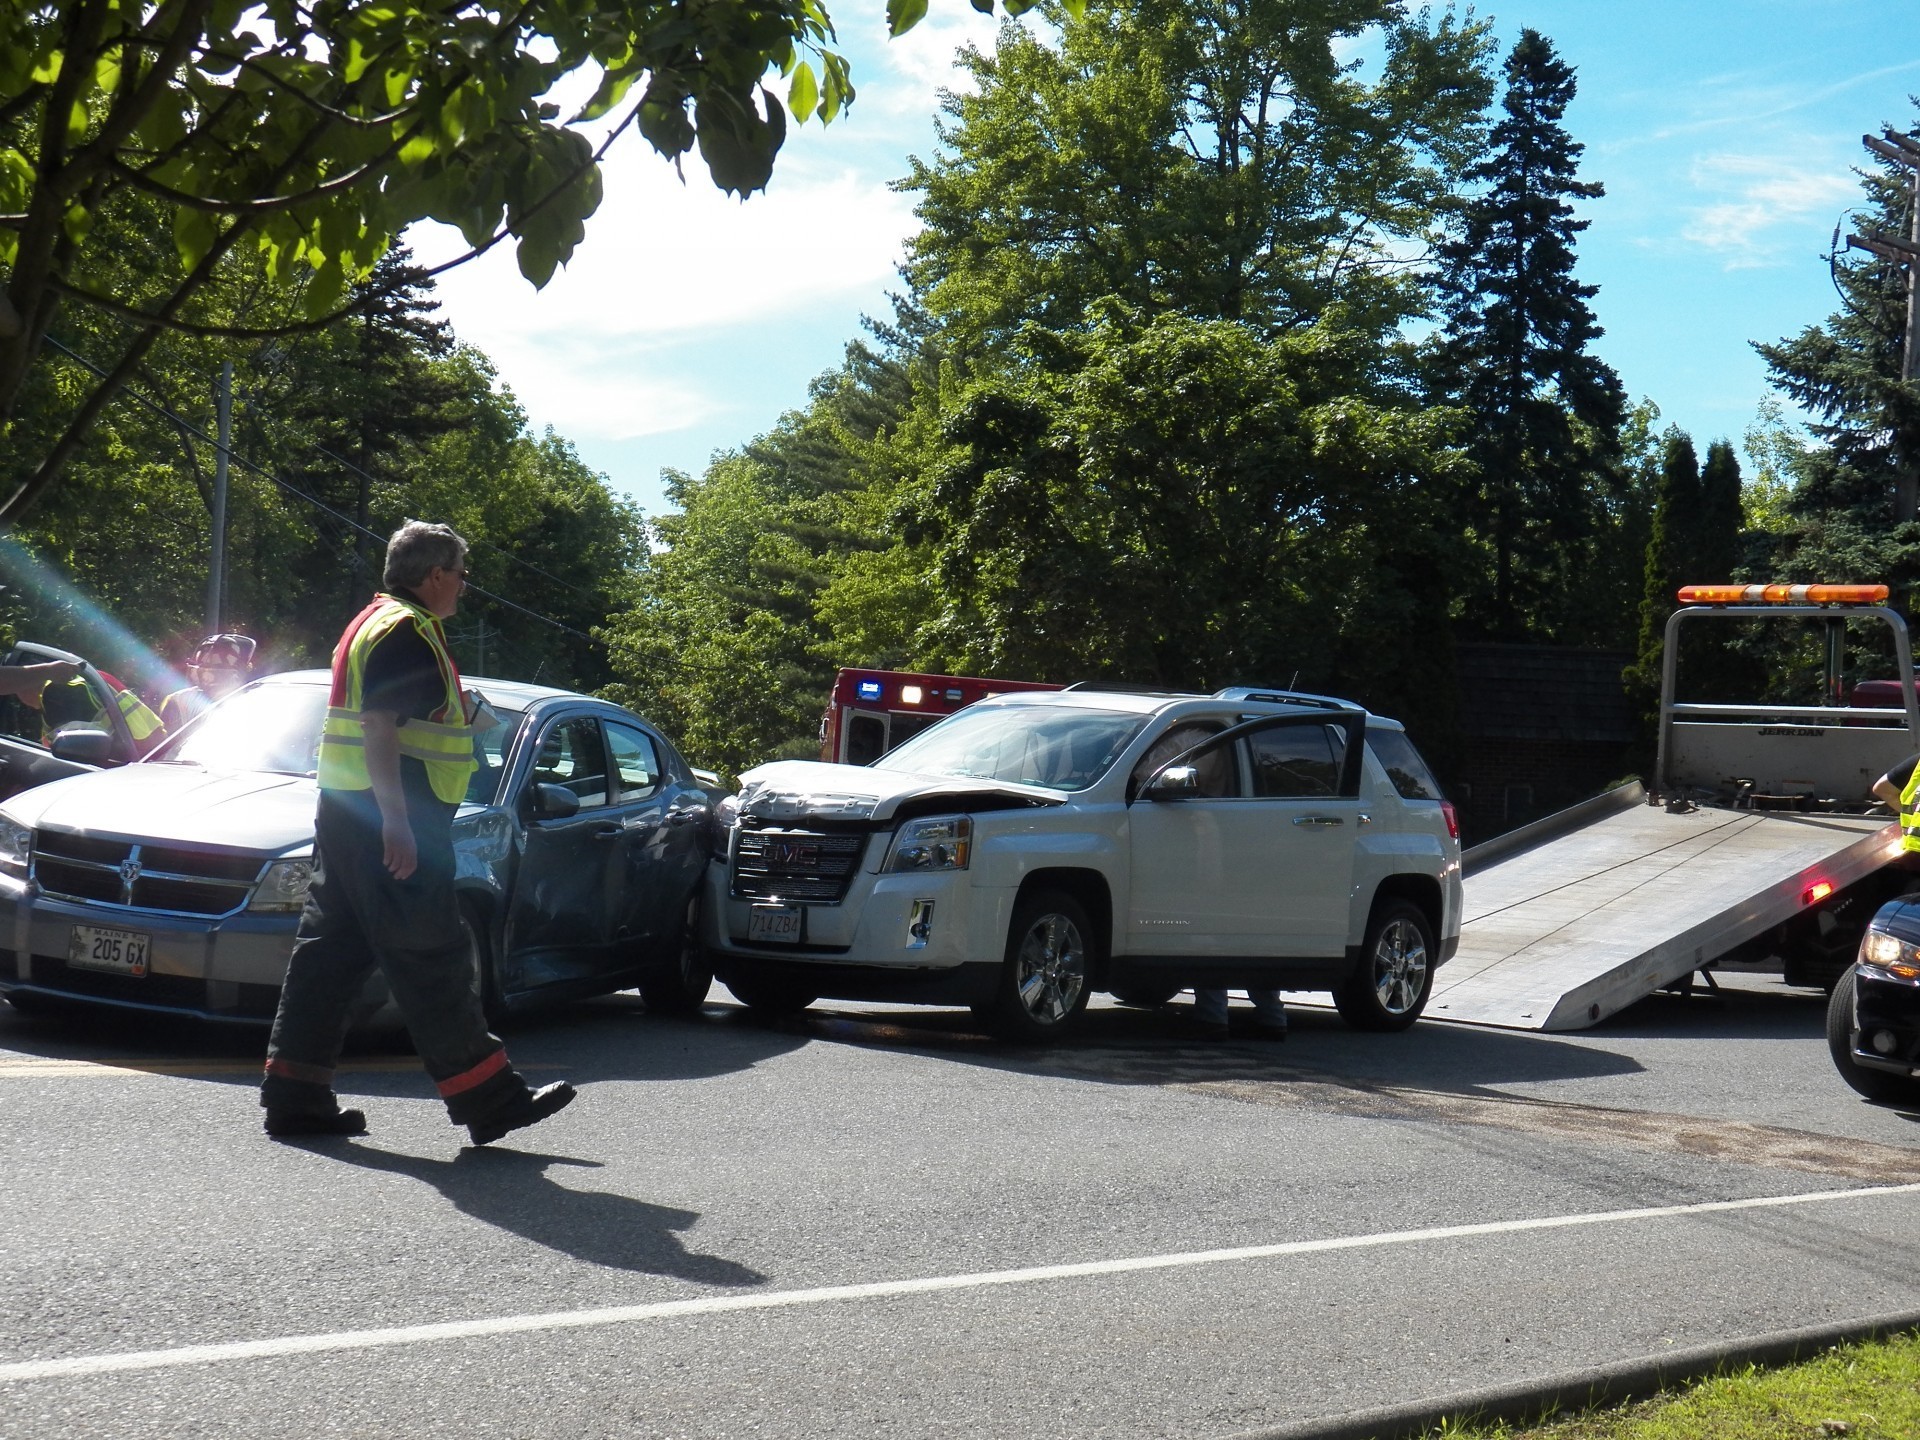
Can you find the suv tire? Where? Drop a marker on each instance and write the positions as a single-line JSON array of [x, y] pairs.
[[1390, 985], [1047, 976], [1877, 1085], [770, 998]]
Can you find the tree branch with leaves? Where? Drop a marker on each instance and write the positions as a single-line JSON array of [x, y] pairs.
[[317, 132]]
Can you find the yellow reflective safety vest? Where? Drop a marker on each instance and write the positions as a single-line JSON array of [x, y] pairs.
[[1909, 819], [142, 723], [82, 704], [443, 743]]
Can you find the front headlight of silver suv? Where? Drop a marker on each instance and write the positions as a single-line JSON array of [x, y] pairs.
[[284, 887], [16, 846], [940, 842]]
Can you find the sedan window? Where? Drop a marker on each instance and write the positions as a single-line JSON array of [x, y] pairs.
[[634, 760], [572, 756], [273, 728]]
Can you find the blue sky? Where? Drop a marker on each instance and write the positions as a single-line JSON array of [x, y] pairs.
[[689, 322]]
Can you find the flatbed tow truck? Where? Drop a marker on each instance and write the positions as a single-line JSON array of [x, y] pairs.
[[1758, 836]]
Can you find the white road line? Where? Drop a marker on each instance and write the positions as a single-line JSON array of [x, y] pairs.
[[85, 1365]]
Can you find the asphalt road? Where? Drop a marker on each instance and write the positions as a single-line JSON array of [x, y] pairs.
[[876, 1222]]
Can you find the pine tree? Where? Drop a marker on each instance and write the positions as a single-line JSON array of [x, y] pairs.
[[1845, 373], [1546, 413], [1716, 553], [1678, 518]]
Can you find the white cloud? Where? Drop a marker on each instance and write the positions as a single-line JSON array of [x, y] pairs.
[[1764, 206]]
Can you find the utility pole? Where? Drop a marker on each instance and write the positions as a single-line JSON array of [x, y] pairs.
[[217, 566], [1902, 150]]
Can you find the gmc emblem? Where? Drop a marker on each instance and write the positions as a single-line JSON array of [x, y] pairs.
[[791, 852]]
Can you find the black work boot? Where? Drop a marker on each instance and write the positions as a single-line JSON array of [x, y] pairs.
[[529, 1107], [289, 1124]]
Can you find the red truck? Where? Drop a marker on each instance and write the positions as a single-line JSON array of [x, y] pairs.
[[871, 711]]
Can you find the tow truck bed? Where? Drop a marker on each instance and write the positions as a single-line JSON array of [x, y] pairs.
[[1561, 934]]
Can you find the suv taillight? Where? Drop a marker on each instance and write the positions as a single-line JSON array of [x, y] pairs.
[[1453, 819]]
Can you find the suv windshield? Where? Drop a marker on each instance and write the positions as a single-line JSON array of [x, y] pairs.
[[276, 728], [1061, 748]]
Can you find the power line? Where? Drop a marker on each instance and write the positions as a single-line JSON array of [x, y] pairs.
[[189, 427]]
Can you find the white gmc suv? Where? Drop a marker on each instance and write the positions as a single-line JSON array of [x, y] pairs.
[[1036, 847]]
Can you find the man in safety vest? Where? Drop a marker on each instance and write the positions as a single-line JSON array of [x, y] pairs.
[[1900, 789], [72, 701], [396, 752]]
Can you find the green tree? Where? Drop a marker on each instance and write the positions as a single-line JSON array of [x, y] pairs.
[[1516, 355], [122, 547], [315, 133], [1218, 159], [1183, 503], [1847, 522], [1679, 515], [780, 565]]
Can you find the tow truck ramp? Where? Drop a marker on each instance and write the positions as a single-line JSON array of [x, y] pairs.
[[1577, 917]]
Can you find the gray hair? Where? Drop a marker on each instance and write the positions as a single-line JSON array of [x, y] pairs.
[[417, 548]]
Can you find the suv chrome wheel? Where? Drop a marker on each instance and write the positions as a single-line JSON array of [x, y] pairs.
[[1400, 967], [1389, 987], [1051, 969], [1046, 980]]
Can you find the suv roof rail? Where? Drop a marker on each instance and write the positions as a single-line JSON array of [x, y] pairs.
[[1116, 687], [1285, 697]]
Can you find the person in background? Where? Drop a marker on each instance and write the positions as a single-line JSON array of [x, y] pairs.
[[1900, 789], [1206, 1019], [396, 754], [66, 698], [220, 666]]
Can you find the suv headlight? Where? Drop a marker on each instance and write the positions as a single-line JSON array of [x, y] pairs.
[[284, 886], [943, 842], [1891, 954], [16, 845]]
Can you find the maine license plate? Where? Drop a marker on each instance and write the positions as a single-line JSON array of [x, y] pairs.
[[121, 952], [775, 924]]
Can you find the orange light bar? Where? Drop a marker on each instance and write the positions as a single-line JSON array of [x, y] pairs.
[[1816, 892], [1783, 594]]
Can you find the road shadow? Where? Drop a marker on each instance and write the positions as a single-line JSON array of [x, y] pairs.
[[1746, 1008], [609, 1037], [1118, 1045], [512, 1191]]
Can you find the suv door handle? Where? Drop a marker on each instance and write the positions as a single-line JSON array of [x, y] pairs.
[[606, 830], [682, 817], [1318, 820]]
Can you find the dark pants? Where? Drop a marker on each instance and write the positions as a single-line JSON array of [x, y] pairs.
[[358, 916]]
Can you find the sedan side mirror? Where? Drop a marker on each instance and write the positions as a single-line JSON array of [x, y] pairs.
[[1176, 782], [85, 747], [554, 802]]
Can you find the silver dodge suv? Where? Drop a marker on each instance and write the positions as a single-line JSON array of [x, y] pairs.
[[1033, 848]]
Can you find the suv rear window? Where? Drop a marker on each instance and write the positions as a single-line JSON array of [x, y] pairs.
[[1403, 765]]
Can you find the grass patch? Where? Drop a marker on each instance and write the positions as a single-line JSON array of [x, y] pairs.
[[1869, 1391]]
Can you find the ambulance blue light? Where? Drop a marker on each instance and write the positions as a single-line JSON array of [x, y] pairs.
[[869, 689]]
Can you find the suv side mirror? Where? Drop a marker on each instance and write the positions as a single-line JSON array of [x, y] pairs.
[[554, 802], [1176, 782], [85, 747]]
